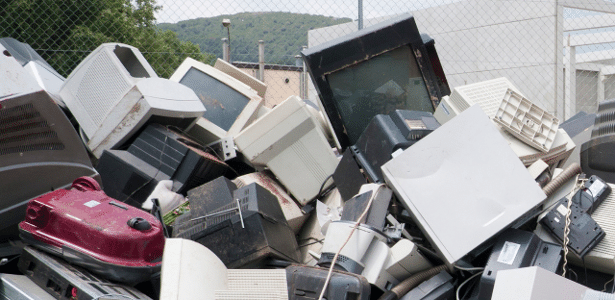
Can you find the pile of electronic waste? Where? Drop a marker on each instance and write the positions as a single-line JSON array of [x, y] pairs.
[[118, 184]]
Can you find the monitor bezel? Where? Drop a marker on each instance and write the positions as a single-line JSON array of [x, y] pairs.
[[247, 115], [361, 46]]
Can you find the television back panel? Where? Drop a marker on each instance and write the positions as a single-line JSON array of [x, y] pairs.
[[289, 142], [487, 94], [36, 141], [475, 205], [101, 80], [292, 210]]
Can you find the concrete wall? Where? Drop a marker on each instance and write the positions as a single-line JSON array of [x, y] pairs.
[[278, 89]]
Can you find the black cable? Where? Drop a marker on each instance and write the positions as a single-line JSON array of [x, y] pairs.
[[322, 186]]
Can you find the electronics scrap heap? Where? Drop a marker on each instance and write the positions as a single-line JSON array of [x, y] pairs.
[[397, 187]]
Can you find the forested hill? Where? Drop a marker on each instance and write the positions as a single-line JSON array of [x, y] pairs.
[[283, 33]]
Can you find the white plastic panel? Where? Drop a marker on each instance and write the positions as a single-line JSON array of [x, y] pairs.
[[487, 94], [528, 122], [289, 141], [462, 184]]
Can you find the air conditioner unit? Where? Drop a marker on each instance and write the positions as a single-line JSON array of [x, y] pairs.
[[114, 92], [231, 105], [487, 94]]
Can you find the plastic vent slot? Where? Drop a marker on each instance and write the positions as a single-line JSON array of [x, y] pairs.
[[526, 121], [24, 130], [101, 84]]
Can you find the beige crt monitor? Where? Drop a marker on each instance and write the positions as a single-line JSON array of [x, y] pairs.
[[231, 105], [289, 141], [114, 92]]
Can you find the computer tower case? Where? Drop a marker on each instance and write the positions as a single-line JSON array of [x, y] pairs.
[[37, 141], [66, 281], [306, 283], [87, 228], [245, 231], [517, 249]]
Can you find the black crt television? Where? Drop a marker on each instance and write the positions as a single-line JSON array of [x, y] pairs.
[[374, 71]]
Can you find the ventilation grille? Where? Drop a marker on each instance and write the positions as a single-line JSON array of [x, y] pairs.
[[257, 280], [604, 123], [487, 94], [25, 130], [102, 86]]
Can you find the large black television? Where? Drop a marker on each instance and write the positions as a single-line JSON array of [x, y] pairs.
[[373, 71]]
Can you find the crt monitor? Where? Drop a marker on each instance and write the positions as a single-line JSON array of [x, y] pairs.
[[374, 71], [230, 104], [114, 92]]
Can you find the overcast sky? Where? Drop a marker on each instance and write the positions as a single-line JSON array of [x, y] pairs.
[[178, 10]]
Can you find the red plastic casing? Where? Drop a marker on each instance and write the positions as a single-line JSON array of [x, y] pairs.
[[85, 220]]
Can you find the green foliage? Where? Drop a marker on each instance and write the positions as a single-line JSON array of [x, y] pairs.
[[284, 34], [65, 31]]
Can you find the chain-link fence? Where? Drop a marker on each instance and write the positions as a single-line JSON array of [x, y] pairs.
[[559, 53]]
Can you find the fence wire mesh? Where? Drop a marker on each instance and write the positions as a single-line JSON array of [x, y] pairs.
[[559, 53]]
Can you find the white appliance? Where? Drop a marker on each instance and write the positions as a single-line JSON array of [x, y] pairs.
[[231, 104], [288, 140], [113, 92], [462, 184], [487, 94], [190, 271]]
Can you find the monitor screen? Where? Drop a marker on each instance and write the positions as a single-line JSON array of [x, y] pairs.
[[380, 85], [223, 104]]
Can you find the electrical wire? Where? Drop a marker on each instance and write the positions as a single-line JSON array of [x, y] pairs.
[[579, 183], [356, 225], [468, 269], [464, 283], [606, 283]]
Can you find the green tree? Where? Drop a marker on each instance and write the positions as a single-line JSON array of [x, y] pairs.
[[65, 31]]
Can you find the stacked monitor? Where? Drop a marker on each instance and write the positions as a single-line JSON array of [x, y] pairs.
[[288, 141], [231, 105], [374, 71], [114, 92]]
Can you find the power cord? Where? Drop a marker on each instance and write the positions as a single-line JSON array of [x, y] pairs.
[[578, 185], [356, 225]]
